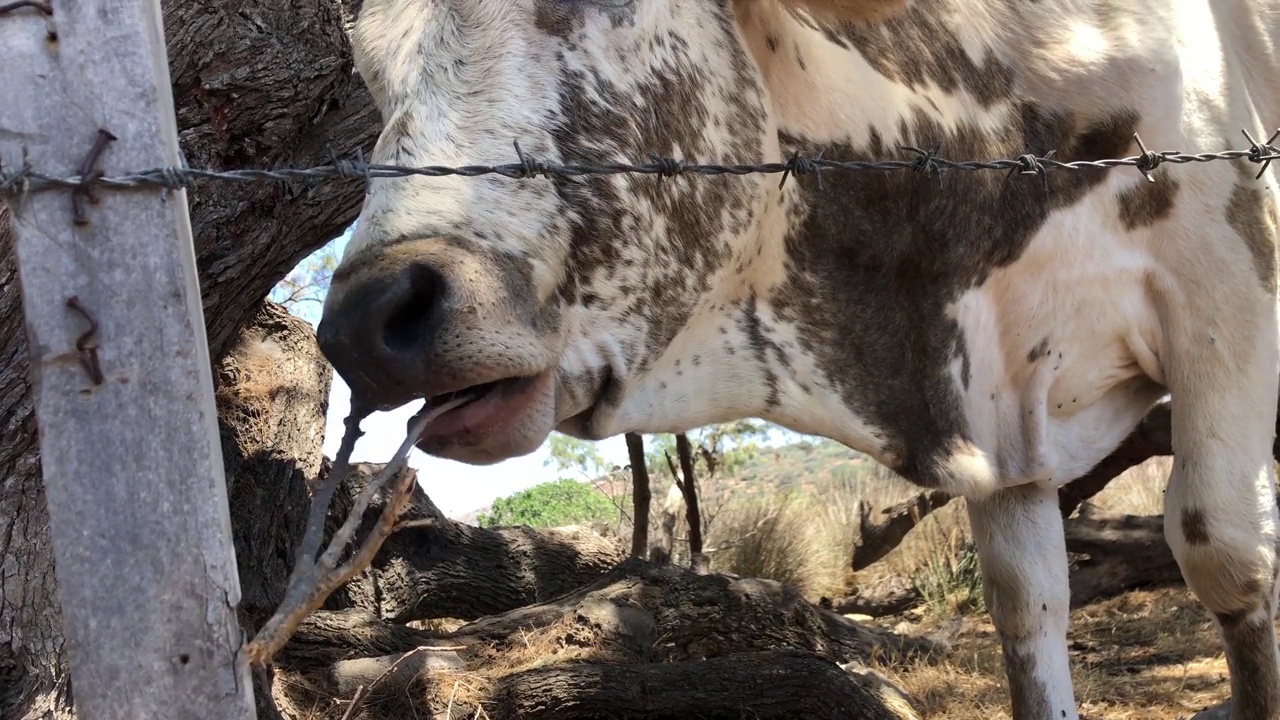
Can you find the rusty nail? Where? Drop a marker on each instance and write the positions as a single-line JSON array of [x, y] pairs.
[[88, 175], [87, 343]]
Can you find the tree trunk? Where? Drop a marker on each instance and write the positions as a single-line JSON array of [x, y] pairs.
[[689, 488], [272, 388], [639, 495], [255, 83]]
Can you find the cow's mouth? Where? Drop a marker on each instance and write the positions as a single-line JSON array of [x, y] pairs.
[[487, 409]]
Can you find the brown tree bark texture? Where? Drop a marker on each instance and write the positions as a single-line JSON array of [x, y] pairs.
[[767, 684], [640, 495], [645, 626], [689, 487], [256, 83], [432, 567]]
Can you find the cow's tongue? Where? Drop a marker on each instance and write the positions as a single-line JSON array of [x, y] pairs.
[[472, 405]]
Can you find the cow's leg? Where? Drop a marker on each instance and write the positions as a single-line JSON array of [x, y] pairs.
[[1018, 533], [1220, 508]]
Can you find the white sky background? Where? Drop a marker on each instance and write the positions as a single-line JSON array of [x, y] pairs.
[[456, 488]]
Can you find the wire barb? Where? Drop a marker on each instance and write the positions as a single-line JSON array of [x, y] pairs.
[[530, 166], [800, 165], [1147, 161], [926, 160], [666, 167], [1262, 154], [1029, 164]]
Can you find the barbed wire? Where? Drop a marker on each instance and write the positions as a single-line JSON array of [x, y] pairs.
[[25, 180]]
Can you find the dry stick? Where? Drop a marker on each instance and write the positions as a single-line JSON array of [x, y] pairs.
[[363, 692], [313, 581]]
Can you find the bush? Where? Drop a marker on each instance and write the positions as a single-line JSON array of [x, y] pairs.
[[563, 502], [950, 581], [802, 538]]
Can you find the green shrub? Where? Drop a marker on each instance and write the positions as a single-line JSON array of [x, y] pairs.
[[951, 580], [563, 502]]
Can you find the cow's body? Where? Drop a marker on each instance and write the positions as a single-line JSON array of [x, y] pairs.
[[994, 337]]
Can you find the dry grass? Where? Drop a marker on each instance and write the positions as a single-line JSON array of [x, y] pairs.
[[801, 538], [1140, 491], [1144, 656], [461, 694]]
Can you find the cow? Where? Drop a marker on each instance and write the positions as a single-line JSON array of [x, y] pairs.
[[989, 334]]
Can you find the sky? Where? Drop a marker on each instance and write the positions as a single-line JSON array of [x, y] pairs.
[[456, 488]]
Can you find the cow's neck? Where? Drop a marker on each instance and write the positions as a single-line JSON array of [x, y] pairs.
[[845, 320], [844, 325]]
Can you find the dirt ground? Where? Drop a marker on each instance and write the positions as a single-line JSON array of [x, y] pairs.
[[1148, 655]]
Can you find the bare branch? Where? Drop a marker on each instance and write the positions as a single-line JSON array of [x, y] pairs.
[[313, 580], [878, 537]]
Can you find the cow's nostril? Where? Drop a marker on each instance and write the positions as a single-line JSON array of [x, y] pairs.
[[414, 316]]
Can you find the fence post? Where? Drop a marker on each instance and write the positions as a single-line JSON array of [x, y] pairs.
[[129, 440]]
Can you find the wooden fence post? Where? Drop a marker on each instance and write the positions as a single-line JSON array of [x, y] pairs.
[[129, 441]]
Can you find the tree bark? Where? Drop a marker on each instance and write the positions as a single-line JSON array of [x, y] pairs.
[[432, 567], [639, 495], [1124, 552], [645, 626], [878, 537], [768, 684], [256, 83], [272, 388], [892, 597], [689, 488]]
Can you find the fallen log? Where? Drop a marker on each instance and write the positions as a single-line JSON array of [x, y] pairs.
[[892, 597], [432, 567], [881, 532], [1113, 554], [696, 615], [1122, 553], [643, 626], [769, 684]]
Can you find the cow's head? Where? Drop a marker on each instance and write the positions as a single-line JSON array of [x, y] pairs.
[[593, 305]]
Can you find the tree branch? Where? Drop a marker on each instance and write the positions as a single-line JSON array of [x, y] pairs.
[[314, 580], [640, 495]]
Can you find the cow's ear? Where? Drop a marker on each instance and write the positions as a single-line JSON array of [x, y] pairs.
[[859, 11]]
